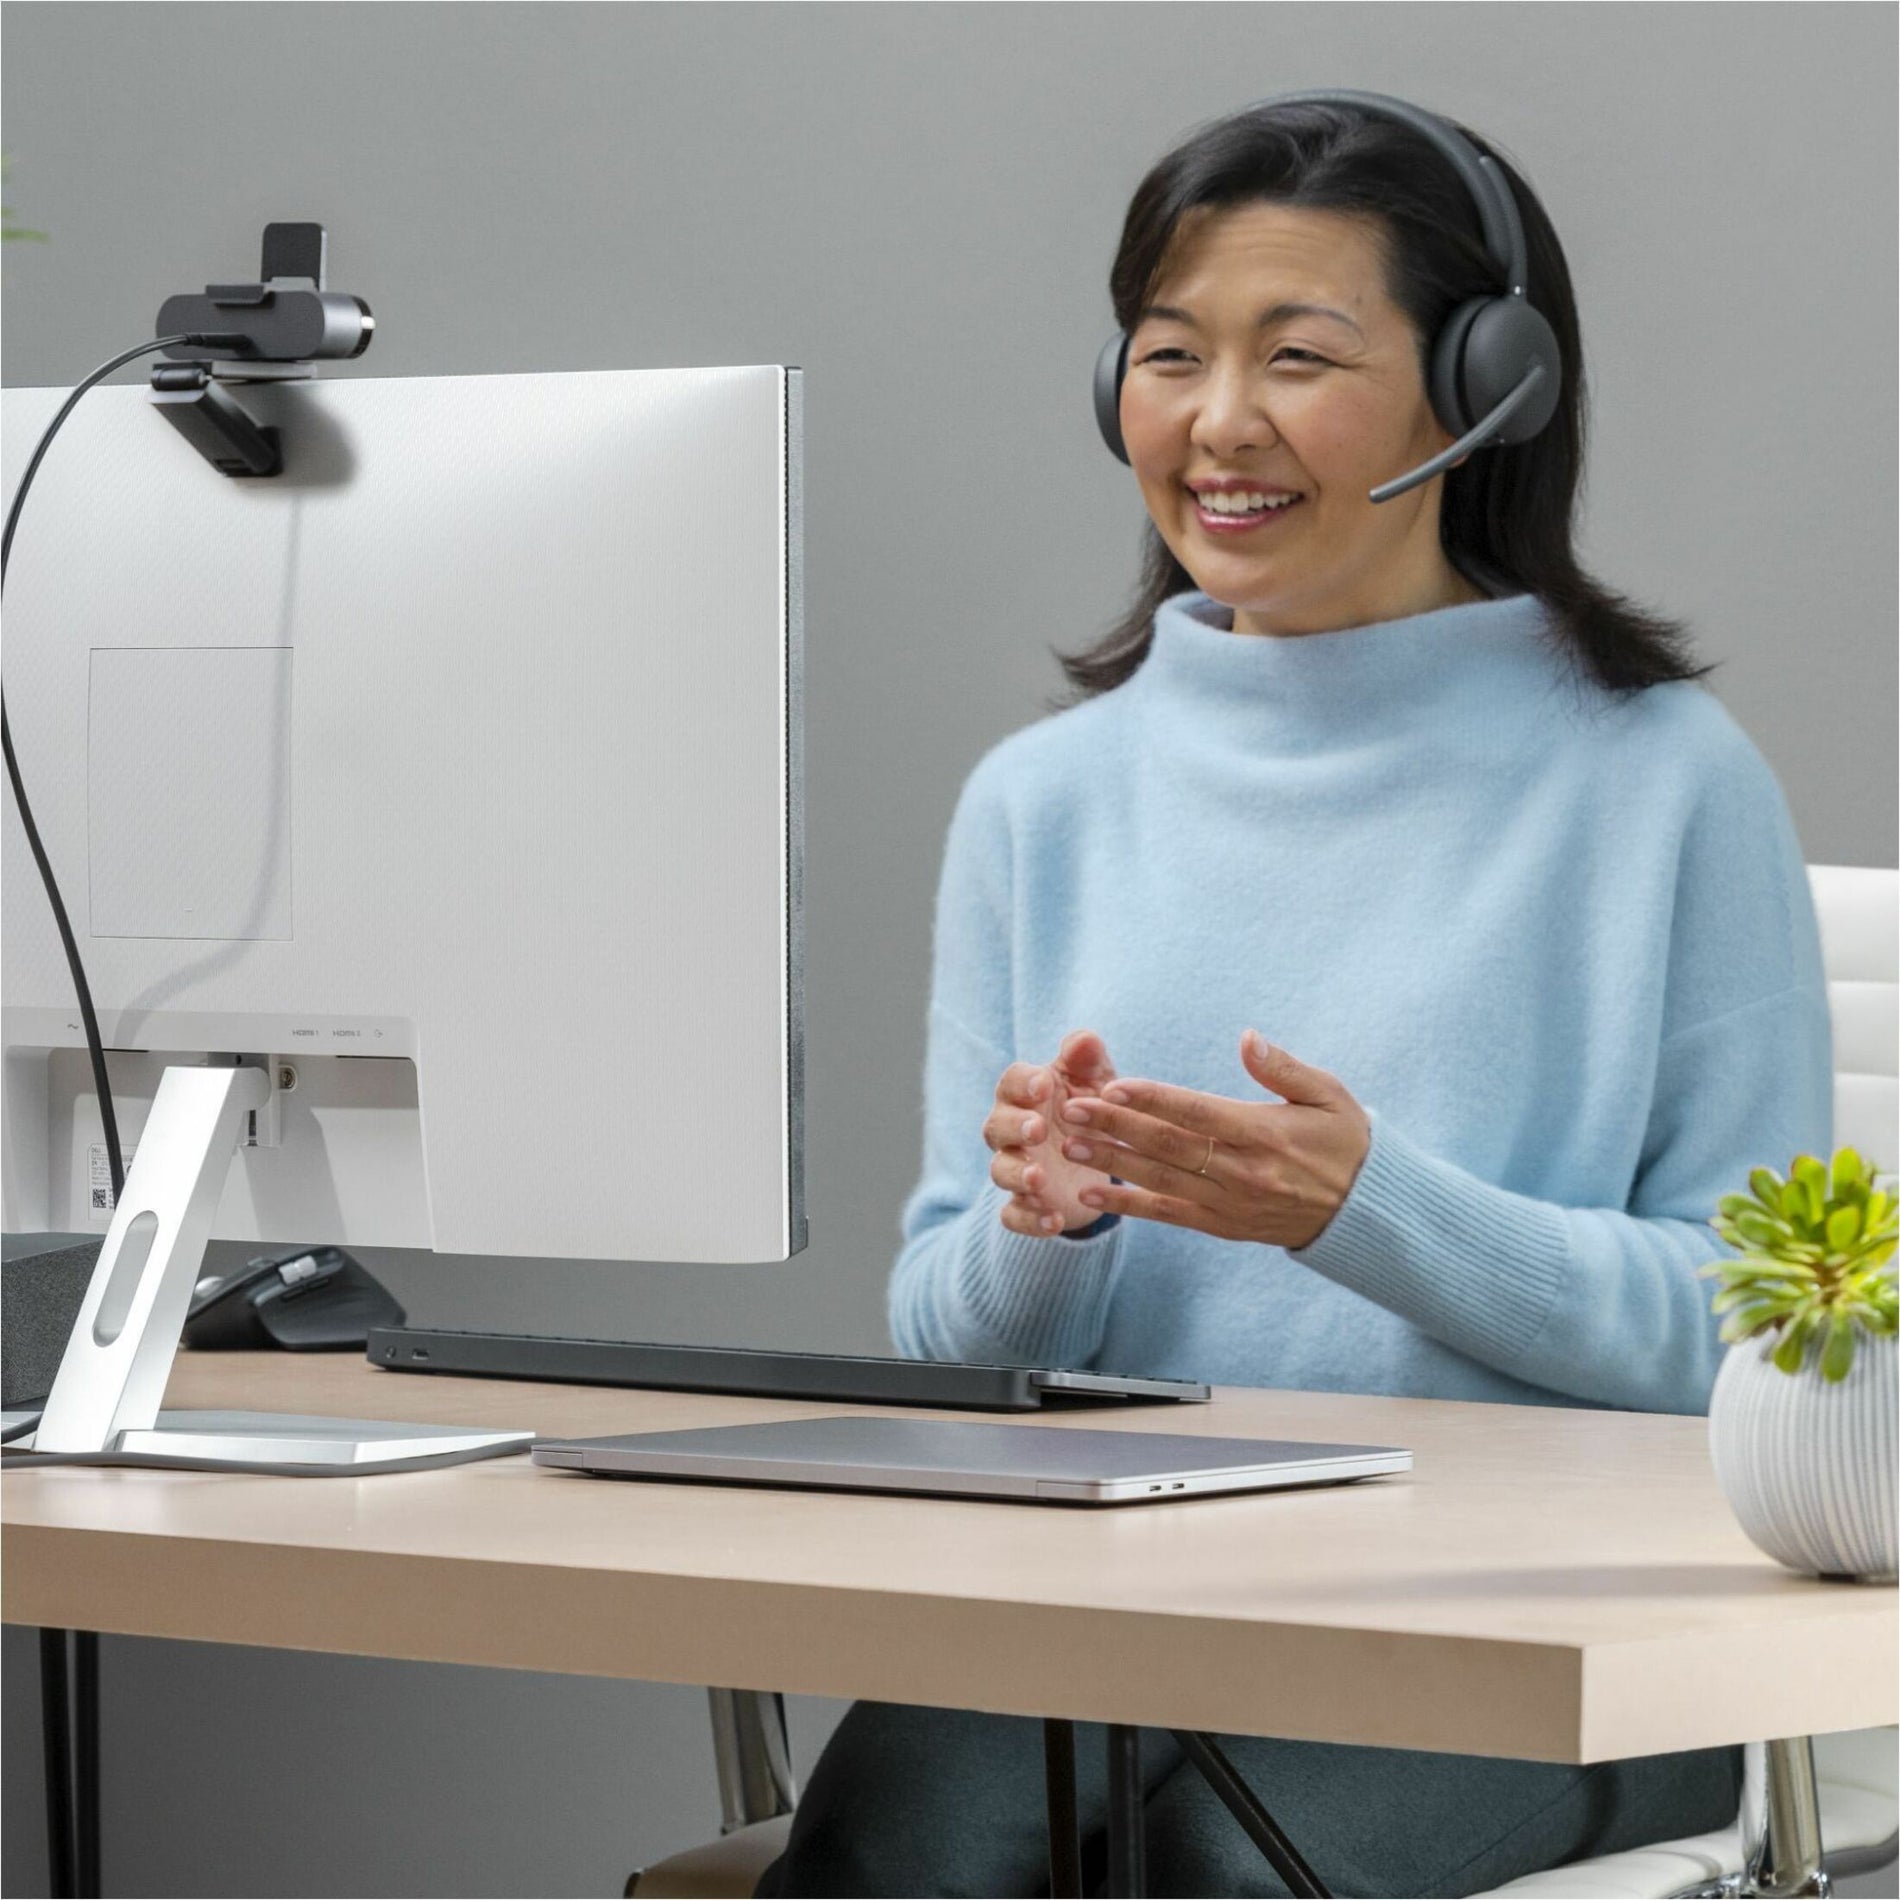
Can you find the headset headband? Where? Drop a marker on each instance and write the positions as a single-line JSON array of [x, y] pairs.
[[1484, 177]]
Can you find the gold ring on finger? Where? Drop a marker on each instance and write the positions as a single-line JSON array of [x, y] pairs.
[[1202, 1169]]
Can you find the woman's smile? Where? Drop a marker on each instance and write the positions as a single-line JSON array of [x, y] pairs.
[[1231, 520]]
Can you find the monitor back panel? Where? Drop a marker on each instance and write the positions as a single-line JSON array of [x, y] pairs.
[[467, 748]]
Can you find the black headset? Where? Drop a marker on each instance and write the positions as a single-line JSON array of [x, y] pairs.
[[1496, 371]]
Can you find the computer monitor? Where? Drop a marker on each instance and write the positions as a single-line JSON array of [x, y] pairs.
[[453, 777]]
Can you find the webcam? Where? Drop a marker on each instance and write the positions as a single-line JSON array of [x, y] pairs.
[[280, 327]]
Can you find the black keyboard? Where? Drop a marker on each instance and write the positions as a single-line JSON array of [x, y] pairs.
[[765, 1374]]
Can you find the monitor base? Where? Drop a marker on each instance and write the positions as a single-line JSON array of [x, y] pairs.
[[286, 1443]]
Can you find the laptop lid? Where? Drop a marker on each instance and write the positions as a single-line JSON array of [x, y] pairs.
[[951, 1458]]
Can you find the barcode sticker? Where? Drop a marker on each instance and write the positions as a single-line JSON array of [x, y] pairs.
[[99, 1182]]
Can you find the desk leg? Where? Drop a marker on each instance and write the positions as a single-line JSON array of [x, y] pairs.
[[56, 1751], [69, 1736], [1127, 1818], [86, 1761], [1065, 1842], [1244, 1805]]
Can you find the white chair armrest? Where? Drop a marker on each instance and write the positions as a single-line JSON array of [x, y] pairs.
[[725, 1869], [1857, 1776]]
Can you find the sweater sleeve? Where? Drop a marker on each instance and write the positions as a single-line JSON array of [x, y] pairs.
[[1604, 1303], [965, 1287]]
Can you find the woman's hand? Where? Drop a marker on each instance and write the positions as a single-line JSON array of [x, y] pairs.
[[1025, 1130], [1266, 1171]]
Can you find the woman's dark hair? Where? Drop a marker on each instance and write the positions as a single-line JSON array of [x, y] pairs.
[[1506, 519]]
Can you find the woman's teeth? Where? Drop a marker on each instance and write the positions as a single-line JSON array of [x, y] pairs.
[[1240, 504], [1239, 512]]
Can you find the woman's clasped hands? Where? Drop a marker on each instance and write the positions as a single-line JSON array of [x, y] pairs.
[[1073, 1141]]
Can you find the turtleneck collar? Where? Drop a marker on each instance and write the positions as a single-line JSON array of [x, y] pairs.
[[1477, 659]]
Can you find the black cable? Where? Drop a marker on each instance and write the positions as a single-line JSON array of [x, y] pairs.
[[70, 1782], [109, 1121], [70, 1844]]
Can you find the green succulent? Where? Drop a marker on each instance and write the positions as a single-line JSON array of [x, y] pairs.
[[1815, 1260]]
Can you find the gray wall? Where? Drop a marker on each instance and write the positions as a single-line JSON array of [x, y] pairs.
[[918, 204]]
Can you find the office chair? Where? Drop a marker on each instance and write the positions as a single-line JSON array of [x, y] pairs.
[[1857, 1772]]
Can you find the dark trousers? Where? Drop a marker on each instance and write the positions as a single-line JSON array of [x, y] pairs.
[[912, 1801]]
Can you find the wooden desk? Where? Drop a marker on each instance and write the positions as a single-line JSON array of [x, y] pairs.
[[1551, 1585]]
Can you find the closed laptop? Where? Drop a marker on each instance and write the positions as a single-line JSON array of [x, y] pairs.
[[1034, 1463]]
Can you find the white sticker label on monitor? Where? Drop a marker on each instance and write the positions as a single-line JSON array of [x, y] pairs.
[[99, 1183]]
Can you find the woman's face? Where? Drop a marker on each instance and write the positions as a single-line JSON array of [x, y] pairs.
[[1228, 377]]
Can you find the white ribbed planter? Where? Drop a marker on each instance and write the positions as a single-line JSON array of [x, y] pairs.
[[1808, 1467]]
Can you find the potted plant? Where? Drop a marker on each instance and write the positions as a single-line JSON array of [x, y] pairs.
[[1802, 1421]]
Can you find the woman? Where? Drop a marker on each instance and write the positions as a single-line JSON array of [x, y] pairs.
[[1369, 984]]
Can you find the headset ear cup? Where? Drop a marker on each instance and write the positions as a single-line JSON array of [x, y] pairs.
[[1487, 347], [1447, 381], [1111, 364], [1504, 341]]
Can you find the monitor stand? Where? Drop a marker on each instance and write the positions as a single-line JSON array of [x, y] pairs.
[[103, 1408]]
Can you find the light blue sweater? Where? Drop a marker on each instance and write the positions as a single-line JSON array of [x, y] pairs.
[[1558, 943]]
